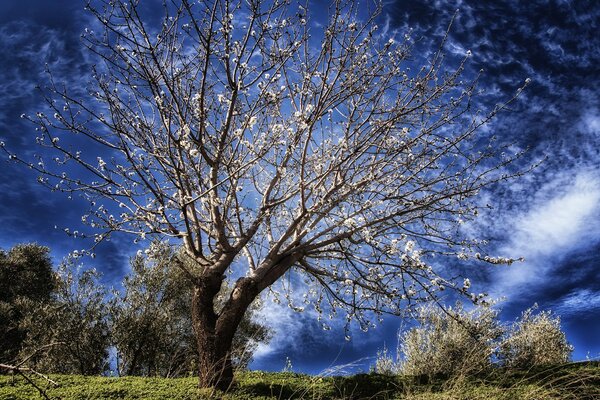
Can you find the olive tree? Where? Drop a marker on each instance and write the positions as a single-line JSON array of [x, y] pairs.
[[450, 342], [71, 326], [268, 142], [26, 280], [534, 340]]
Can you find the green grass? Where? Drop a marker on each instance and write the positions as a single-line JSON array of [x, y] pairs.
[[572, 381]]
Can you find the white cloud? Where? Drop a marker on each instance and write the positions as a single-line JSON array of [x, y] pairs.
[[590, 123], [287, 327], [558, 220], [581, 301], [292, 329]]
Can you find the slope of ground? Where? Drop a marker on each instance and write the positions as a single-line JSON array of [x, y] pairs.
[[572, 381]]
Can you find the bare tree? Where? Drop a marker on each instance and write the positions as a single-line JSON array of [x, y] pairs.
[[266, 143]]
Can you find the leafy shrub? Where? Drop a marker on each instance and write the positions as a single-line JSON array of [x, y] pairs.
[[535, 340], [73, 322], [450, 342], [26, 280]]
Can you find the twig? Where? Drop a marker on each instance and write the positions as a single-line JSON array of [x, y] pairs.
[[21, 370]]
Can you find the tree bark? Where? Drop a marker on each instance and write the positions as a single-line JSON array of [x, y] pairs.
[[215, 333], [214, 362]]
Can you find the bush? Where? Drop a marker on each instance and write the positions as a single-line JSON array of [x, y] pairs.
[[535, 340], [26, 280], [450, 342], [72, 323], [385, 363]]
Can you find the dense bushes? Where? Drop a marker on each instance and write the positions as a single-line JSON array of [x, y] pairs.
[[535, 340], [66, 321], [450, 342], [454, 341], [26, 280]]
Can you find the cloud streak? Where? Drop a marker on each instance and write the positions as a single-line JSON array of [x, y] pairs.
[[555, 222]]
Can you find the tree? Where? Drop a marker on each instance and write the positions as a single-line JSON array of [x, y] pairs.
[[26, 279], [152, 325], [72, 325], [267, 145], [450, 342], [534, 340]]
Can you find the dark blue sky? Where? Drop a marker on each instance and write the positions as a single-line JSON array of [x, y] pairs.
[[551, 217]]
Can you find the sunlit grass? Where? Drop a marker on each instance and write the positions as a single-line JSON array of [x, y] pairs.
[[571, 381]]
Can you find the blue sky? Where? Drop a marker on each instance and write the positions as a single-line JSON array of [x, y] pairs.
[[551, 217]]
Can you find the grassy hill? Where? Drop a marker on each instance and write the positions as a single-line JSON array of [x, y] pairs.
[[572, 381]]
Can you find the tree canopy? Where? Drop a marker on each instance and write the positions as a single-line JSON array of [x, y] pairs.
[[26, 278], [267, 141]]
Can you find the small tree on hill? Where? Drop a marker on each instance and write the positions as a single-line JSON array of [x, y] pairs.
[[534, 340], [75, 318], [268, 143], [450, 342]]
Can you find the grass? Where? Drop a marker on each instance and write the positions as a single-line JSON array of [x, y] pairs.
[[571, 381]]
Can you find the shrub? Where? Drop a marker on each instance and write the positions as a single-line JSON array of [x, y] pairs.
[[535, 340], [385, 363], [73, 322], [26, 280], [450, 342]]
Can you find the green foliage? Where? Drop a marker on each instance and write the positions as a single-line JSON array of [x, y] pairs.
[[151, 320], [26, 279], [70, 316], [455, 342], [535, 340], [567, 382], [26, 271], [75, 319], [450, 342]]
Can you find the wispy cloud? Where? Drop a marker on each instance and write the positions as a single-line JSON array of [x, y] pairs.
[[554, 223], [287, 326], [578, 301]]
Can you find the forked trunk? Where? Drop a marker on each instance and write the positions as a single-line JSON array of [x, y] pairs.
[[214, 364], [214, 333]]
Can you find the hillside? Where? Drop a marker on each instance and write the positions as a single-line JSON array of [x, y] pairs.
[[572, 381]]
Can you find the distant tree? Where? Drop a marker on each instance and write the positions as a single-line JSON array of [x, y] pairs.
[[74, 318], [450, 342], [266, 141], [535, 339], [26, 279], [151, 320]]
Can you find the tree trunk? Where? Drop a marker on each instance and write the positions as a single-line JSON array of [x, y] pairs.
[[214, 367], [214, 333], [214, 364]]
